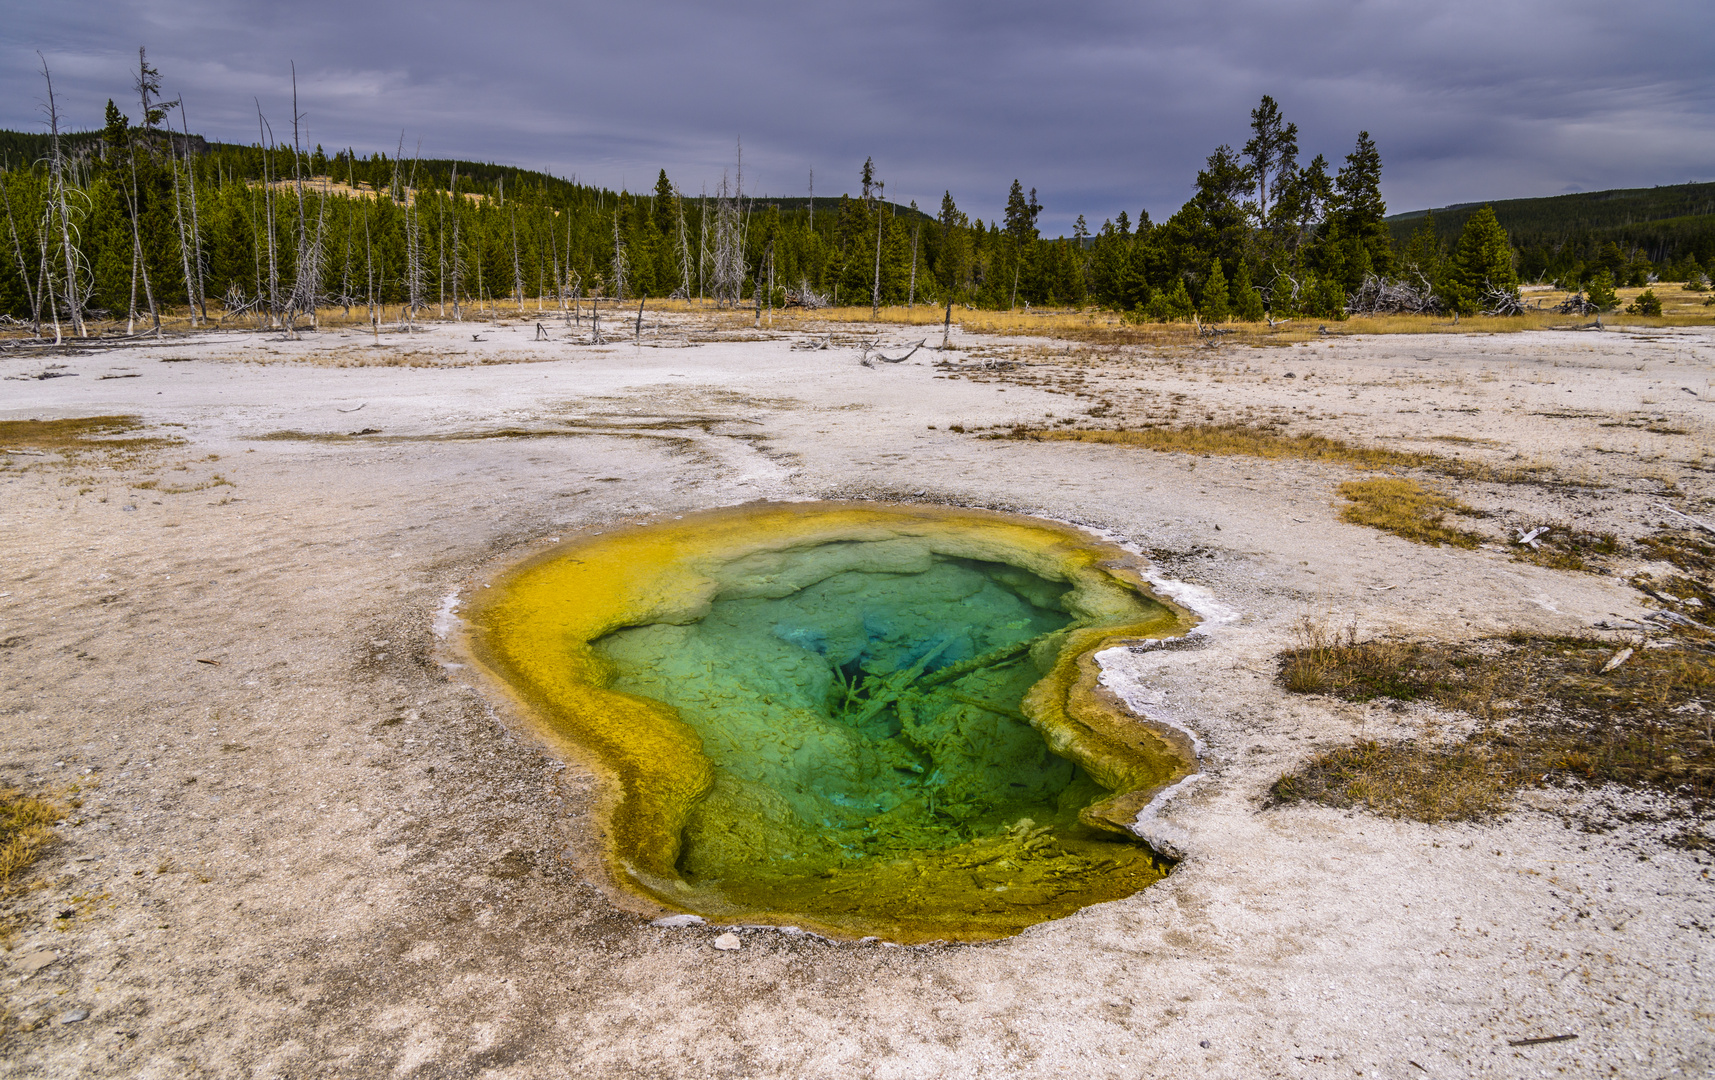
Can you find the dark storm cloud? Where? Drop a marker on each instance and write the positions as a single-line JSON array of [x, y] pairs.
[[1100, 106]]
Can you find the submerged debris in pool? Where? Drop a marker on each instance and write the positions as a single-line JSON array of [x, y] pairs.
[[860, 719]]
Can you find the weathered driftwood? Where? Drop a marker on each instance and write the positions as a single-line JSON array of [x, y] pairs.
[[1394, 296], [1500, 300], [805, 297]]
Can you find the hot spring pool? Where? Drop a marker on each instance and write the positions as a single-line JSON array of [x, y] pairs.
[[855, 718]]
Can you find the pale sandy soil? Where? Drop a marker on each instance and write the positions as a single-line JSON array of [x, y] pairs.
[[327, 855]]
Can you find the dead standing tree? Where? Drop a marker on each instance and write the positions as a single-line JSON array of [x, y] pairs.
[[266, 130], [71, 260], [200, 299], [517, 267], [456, 266], [621, 263], [880, 220], [147, 85], [684, 248], [729, 254]]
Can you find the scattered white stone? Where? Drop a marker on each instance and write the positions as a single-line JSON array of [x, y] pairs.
[[728, 942], [677, 922], [1617, 659], [32, 962]]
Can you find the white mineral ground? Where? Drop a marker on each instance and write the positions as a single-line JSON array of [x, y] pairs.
[[325, 854]]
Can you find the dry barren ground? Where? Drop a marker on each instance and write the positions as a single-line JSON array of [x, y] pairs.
[[305, 847]]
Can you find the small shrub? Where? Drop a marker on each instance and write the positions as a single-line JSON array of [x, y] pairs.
[[1646, 304], [1601, 292]]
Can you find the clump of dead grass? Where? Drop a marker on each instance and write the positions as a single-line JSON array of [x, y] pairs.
[[1269, 441], [1550, 709], [1468, 781], [1238, 439], [1566, 547], [78, 437], [26, 828], [1407, 509]]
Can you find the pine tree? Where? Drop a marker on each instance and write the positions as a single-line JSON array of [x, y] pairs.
[[1021, 217], [1171, 304], [1247, 301], [1600, 292], [1215, 300], [1482, 261], [1355, 240], [1423, 254], [1273, 154]]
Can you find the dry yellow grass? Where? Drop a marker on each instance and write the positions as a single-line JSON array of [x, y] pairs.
[[26, 827], [1269, 442], [1243, 439], [1551, 709], [1406, 509], [75, 437]]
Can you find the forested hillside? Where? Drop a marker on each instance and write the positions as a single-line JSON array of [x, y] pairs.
[[131, 220], [1630, 232]]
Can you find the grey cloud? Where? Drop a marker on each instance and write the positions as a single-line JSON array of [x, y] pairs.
[[1101, 106]]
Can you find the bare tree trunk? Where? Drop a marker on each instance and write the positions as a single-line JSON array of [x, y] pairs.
[[620, 262], [769, 255], [702, 244], [369, 258], [268, 218], [56, 195], [517, 267], [684, 250], [875, 293], [458, 257], [184, 240], [196, 224], [559, 283], [305, 275], [345, 275], [46, 274], [947, 325], [911, 298]]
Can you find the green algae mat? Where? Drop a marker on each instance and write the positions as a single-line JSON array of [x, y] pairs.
[[860, 719]]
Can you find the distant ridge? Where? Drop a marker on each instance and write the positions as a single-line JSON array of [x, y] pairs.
[[1662, 221]]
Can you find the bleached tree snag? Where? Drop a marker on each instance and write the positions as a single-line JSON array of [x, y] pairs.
[[196, 227], [267, 132], [184, 240], [517, 267], [875, 291], [911, 297], [57, 202], [684, 249], [458, 256], [620, 263]]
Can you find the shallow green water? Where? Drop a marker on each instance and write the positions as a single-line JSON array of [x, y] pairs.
[[868, 717]]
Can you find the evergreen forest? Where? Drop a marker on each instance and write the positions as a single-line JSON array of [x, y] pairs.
[[134, 219]]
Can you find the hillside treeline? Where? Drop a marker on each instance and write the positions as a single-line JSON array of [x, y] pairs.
[[1633, 234], [132, 220]]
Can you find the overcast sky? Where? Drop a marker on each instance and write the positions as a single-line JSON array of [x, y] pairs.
[[1101, 106]]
